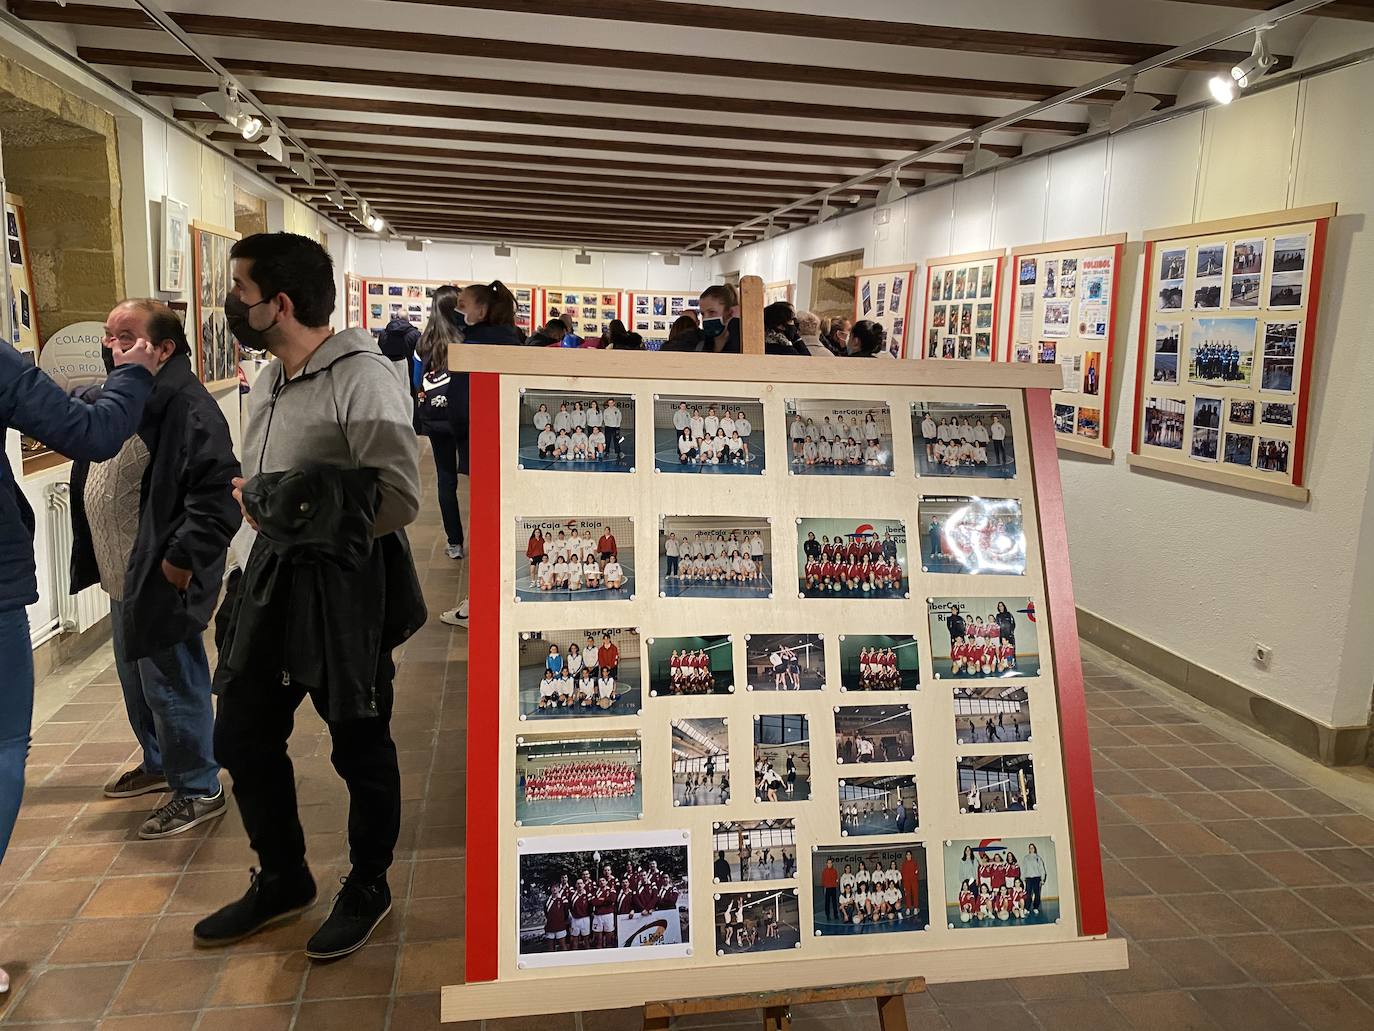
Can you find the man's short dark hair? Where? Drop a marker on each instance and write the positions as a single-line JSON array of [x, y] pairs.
[[287, 263]]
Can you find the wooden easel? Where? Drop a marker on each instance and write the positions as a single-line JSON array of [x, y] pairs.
[[777, 1006]]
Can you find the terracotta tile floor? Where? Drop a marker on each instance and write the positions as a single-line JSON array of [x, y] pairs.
[[1242, 876]]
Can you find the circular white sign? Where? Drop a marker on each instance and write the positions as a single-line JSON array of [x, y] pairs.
[[72, 355]]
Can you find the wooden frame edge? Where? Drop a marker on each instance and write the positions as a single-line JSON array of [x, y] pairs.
[[210, 227], [1220, 477], [1264, 220], [1082, 447], [972, 256], [880, 270], [1082, 243]]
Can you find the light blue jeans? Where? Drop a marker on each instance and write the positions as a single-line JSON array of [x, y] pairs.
[[16, 715]]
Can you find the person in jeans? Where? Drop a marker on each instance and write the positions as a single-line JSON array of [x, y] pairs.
[[33, 404], [440, 419], [334, 401], [152, 526]]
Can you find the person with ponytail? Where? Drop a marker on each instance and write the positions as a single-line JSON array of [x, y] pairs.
[[720, 319], [442, 420]]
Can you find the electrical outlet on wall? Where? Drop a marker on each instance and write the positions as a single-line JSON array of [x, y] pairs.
[[1263, 654]]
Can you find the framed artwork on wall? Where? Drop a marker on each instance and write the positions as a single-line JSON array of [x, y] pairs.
[[883, 295], [217, 352], [962, 301], [173, 247]]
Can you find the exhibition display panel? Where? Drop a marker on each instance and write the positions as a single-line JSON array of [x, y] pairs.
[[1228, 330], [590, 309], [353, 301], [883, 295], [23, 306], [412, 299], [217, 352], [962, 302], [783, 290], [652, 314], [748, 728], [1064, 312]]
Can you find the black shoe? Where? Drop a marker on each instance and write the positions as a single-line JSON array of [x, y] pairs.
[[270, 899], [358, 908]]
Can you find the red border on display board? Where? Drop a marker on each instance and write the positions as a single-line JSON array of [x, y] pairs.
[[1140, 348], [1062, 630], [996, 305], [1309, 330], [1104, 419]]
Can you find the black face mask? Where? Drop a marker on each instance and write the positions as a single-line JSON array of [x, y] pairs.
[[236, 315], [792, 332], [107, 356]]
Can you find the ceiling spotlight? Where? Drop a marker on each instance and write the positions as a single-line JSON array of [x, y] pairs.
[[978, 159], [272, 146], [892, 192], [502, 251], [221, 101], [826, 211], [707, 252], [249, 127], [376, 223], [335, 197], [305, 170], [1223, 88], [1258, 63], [771, 229], [1130, 107], [730, 244]]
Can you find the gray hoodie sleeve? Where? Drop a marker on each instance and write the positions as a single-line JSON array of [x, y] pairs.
[[375, 412]]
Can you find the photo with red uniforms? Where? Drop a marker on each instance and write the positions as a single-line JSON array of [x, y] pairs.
[[869, 889], [577, 778], [852, 558], [1001, 882], [983, 638], [879, 662]]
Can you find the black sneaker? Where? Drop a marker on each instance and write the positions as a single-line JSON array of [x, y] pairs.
[[358, 908], [270, 899]]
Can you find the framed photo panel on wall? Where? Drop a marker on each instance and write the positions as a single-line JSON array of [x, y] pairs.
[[590, 309], [217, 352], [883, 295], [652, 314], [963, 295], [1228, 330]]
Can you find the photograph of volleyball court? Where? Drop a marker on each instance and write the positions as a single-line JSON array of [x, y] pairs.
[[576, 430], [715, 557], [873, 734], [756, 921], [754, 850], [578, 778], [559, 558], [784, 662], [563, 673], [708, 435], [878, 805], [782, 758], [991, 714], [996, 784], [701, 762]]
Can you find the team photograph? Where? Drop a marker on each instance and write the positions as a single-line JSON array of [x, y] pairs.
[[839, 438], [709, 435], [873, 734], [754, 850], [851, 558], [691, 665], [869, 889], [871, 806], [577, 778], [995, 784], [756, 921], [973, 638], [1000, 882], [784, 662], [701, 762], [782, 758], [879, 662], [715, 557], [964, 534], [991, 715], [581, 432], [572, 673], [562, 559], [963, 440]]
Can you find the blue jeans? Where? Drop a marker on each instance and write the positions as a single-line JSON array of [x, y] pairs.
[[167, 697], [16, 715]]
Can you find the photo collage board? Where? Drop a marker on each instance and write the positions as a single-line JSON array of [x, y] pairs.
[[744, 719], [1225, 346], [783, 290], [217, 352], [962, 302], [652, 315], [1063, 312], [883, 295], [353, 301], [23, 306], [591, 309], [413, 300]]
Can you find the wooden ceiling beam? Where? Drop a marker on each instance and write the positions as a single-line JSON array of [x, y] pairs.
[[1353, 10]]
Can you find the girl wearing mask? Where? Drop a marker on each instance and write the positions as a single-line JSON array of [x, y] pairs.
[[720, 319]]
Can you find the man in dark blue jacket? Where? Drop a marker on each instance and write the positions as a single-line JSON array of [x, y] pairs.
[[33, 404]]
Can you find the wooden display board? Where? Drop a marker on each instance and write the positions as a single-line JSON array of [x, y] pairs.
[[412, 299], [783, 290], [1228, 330], [353, 301], [1064, 311], [968, 289], [591, 308], [217, 352], [883, 295], [24, 306], [849, 696], [652, 314]]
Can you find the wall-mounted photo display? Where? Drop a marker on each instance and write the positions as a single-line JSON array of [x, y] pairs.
[[701, 761], [694, 434], [869, 889], [579, 673], [879, 662], [715, 557], [691, 665], [962, 534], [867, 558], [217, 352], [973, 638], [963, 331], [577, 778], [952, 439], [883, 295], [566, 558], [24, 325], [582, 895], [782, 758], [995, 784], [784, 662], [749, 922], [839, 438], [1001, 882], [577, 431], [754, 850], [588, 310], [1231, 309], [991, 715], [653, 315], [872, 806], [867, 734]]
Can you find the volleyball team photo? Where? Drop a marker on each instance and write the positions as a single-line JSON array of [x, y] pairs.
[[567, 558], [983, 638], [784, 662], [869, 889], [709, 435], [579, 673], [1001, 882], [963, 534], [691, 665], [851, 558], [577, 431], [577, 778], [952, 439], [879, 662], [715, 557], [839, 438]]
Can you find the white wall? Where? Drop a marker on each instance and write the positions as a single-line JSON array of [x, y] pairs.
[[1206, 572]]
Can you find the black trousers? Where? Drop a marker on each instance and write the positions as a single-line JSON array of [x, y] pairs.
[[832, 903], [252, 728], [1033, 892]]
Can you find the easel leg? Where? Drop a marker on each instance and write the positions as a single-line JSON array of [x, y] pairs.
[[777, 1018], [892, 1013]]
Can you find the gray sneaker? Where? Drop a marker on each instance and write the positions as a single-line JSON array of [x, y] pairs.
[[135, 782], [181, 814]]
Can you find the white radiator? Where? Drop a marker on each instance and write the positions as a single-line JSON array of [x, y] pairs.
[[75, 613]]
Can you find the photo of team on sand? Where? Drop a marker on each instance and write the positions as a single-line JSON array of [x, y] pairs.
[[572, 673], [839, 558], [839, 438], [708, 435], [991, 714], [756, 921], [879, 662], [691, 665], [715, 557], [784, 662], [869, 889], [577, 778], [873, 734], [995, 784], [559, 559], [878, 805], [782, 758], [963, 440], [583, 432], [978, 637], [584, 898], [701, 762], [754, 850], [972, 535], [1000, 882]]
